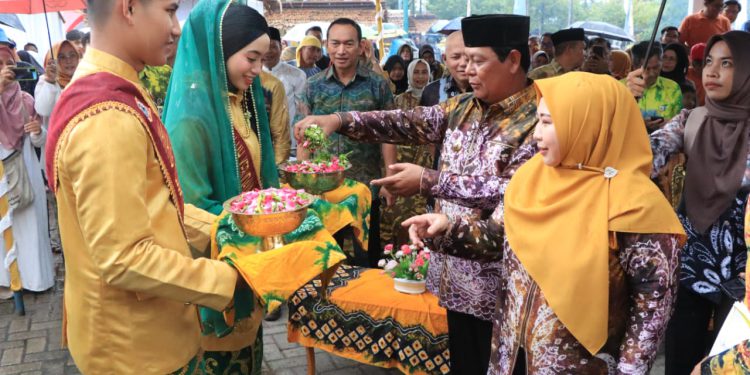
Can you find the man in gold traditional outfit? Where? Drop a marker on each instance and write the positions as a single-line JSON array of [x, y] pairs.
[[131, 284]]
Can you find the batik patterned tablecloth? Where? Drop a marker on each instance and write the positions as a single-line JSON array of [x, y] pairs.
[[363, 318]]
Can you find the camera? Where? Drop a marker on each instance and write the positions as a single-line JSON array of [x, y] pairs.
[[25, 73]]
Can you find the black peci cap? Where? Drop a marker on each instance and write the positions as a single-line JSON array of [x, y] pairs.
[[274, 33], [495, 30], [568, 35]]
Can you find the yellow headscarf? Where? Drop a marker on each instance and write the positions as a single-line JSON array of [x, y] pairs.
[[308, 41], [558, 219], [62, 78]]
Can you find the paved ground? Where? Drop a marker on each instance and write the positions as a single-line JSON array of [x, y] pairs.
[[31, 344]]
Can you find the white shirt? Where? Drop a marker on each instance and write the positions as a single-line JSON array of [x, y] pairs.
[[45, 97], [295, 83]]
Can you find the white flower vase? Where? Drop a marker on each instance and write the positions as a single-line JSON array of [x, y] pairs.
[[409, 286]]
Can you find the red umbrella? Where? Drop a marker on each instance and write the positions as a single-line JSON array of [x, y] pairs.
[[71, 23], [72, 19], [41, 6]]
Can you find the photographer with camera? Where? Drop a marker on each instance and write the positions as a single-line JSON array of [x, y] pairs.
[[19, 134], [25, 73]]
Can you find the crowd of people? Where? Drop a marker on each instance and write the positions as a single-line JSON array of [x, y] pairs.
[[585, 203]]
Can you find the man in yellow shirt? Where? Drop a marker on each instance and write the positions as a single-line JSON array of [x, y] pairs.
[[278, 116], [131, 285]]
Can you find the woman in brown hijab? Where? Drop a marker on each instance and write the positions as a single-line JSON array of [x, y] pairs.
[[619, 64], [714, 140]]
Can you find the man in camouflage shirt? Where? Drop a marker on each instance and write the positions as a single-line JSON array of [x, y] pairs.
[[570, 45]]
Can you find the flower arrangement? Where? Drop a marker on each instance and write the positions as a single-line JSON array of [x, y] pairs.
[[308, 166], [322, 161], [408, 263], [270, 201]]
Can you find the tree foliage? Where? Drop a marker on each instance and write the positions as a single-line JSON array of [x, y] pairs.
[[553, 15]]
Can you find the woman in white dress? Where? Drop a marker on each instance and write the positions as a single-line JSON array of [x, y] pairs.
[[58, 73], [20, 131]]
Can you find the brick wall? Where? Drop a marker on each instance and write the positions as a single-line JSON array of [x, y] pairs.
[[327, 10], [295, 12]]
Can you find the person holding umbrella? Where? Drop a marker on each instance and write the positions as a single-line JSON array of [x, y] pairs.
[[57, 74]]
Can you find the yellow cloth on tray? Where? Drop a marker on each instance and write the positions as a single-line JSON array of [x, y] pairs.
[[275, 275], [349, 204], [351, 196]]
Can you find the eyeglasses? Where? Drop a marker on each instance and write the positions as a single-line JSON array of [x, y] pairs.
[[67, 56]]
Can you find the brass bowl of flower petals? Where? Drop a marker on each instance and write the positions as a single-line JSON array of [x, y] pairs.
[[313, 178], [269, 213]]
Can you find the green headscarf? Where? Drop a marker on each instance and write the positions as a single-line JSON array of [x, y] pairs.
[[196, 114]]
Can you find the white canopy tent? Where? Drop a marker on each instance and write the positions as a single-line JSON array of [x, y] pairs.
[[36, 31]]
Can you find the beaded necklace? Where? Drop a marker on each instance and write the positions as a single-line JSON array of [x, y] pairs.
[[245, 111], [244, 133], [249, 123]]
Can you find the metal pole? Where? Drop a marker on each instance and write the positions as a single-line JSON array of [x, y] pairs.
[[49, 37], [406, 16], [654, 32], [653, 37]]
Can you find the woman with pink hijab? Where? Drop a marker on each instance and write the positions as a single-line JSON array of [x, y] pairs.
[[20, 132]]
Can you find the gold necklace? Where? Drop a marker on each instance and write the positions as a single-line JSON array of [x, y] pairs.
[[244, 129], [248, 124]]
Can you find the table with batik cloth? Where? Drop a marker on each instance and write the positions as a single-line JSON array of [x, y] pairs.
[[358, 315], [275, 275]]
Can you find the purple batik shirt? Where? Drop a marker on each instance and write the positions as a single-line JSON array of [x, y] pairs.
[[479, 142]]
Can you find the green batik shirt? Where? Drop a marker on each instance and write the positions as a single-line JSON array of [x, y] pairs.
[[662, 99], [368, 91], [156, 80]]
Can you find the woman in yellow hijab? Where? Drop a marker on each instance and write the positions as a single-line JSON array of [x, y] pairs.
[[592, 246]]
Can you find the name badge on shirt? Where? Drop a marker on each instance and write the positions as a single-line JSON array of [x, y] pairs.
[[146, 111]]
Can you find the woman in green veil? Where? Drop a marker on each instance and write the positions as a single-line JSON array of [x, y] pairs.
[[216, 119], [211, 107]]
